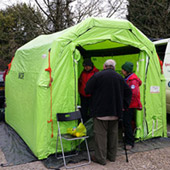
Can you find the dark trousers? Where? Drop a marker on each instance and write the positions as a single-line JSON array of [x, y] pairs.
[[85, 104], [128, 116], [106, 139]]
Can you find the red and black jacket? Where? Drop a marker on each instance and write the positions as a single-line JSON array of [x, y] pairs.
[[83, 79], [134, 82]]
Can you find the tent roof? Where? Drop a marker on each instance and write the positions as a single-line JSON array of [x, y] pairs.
[[74, 32]]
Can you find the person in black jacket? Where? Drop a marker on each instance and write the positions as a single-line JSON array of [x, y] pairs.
[[110, 95]]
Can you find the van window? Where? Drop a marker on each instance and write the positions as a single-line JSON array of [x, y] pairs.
[[161, 50]]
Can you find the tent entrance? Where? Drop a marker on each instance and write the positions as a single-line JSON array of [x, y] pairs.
[[105, 50], [101, 51]]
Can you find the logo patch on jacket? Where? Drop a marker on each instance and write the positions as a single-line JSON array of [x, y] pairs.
[[132, 86]]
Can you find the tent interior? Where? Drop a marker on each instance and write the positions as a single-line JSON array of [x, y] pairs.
[[107, 49], [100, 52]]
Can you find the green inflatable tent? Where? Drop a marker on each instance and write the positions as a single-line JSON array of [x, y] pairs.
[[43, 79]]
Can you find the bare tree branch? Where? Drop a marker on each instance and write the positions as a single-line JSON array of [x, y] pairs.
[[49, 16], [65, 13]]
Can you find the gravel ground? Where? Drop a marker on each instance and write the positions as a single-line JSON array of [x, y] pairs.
[[158, 159]]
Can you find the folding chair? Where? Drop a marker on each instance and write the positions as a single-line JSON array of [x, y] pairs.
[[61, 117]]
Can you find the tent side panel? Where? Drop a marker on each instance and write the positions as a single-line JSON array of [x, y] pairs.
[[154, 95], [20, 112], [21, 93], [64, 99]]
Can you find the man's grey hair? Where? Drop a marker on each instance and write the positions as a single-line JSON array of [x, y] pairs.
[[110, 64]]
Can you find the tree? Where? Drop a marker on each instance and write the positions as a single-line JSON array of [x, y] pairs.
[[18, 24], [62, 14], [99, 8], [57, 13], [151, 17]]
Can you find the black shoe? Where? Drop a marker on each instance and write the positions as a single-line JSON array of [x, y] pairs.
[[93, 158]]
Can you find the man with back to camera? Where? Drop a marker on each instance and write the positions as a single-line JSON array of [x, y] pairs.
[[110, 94], [129, 114]]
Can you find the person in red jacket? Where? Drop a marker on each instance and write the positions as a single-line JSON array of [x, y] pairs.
[[129, 115], [87, 73]]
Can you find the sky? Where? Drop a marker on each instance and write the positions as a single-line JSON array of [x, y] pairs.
[[4, 3]]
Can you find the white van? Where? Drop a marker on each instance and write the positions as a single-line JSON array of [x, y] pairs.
[[163, 50]]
